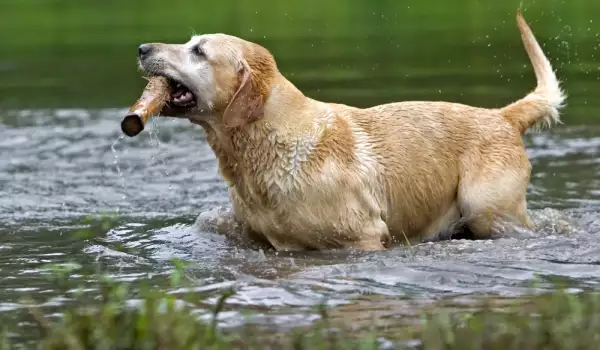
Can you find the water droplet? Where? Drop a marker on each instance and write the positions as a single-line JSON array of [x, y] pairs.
[[113, 147]]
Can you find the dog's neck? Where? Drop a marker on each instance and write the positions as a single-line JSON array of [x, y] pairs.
[[275, 146]]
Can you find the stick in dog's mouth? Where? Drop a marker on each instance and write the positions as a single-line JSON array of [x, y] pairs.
[[158, 92]]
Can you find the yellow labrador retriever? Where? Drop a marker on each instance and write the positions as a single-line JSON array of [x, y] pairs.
[[305, 174]]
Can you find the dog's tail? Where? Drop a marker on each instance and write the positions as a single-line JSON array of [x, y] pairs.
[[539, 108]]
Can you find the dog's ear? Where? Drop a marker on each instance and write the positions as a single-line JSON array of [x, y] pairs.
[[247, 104]]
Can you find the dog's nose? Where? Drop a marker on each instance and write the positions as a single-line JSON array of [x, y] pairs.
[[144, 49]]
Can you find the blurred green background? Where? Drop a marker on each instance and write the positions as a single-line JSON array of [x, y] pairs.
[[59, 53]]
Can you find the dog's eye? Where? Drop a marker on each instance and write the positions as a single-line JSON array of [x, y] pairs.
[[198, 51]]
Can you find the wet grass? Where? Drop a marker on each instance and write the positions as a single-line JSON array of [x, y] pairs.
[[162, 320]]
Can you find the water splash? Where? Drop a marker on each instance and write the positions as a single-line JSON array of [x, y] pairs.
[[161, 155], [113, 147]]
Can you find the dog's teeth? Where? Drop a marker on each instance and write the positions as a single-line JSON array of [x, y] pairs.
[[178, 85]]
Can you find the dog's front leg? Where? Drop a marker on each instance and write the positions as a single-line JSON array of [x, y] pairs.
[[375, 237], [248, 235], [255, 239]]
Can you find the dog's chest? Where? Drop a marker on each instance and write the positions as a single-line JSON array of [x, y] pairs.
[[276, 168]]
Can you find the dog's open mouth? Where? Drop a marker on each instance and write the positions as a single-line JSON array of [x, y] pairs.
[[181, 96]]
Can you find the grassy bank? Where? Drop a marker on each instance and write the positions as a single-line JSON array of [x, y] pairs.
[[162, 320]]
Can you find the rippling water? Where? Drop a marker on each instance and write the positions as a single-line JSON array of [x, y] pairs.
[[58, 166]]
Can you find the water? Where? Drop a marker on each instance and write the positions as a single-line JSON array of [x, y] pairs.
[[63, 156]]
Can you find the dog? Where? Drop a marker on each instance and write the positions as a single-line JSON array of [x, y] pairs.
[[309, 175]]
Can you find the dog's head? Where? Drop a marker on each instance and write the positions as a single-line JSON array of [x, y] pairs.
[[213, 75]]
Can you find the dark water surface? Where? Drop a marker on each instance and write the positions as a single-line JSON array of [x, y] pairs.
[[66, 83]]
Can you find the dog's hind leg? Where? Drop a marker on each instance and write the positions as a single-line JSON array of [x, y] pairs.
[[492, 192], [456, 231]]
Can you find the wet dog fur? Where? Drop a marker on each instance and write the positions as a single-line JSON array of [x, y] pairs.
[[305, 174]]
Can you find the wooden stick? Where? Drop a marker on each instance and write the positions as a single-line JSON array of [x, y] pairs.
[[154, 97]]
